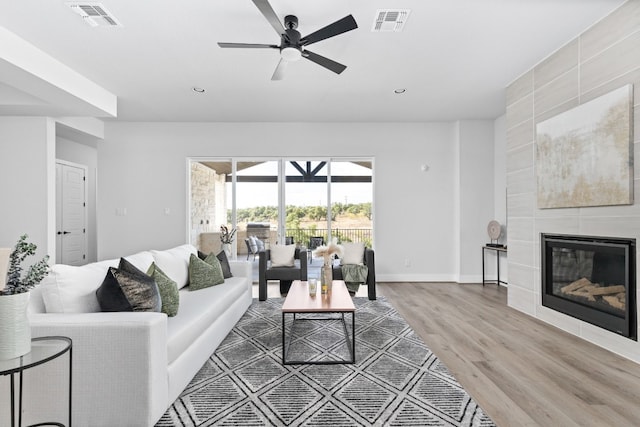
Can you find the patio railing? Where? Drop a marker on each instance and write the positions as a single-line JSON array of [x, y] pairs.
[[303, 235]]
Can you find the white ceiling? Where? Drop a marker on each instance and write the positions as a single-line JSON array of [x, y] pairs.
[[454, 57]]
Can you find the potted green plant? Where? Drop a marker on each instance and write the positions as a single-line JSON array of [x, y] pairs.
[[15, 333]]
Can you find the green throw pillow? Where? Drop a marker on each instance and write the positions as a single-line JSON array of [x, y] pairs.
[[168, 290], [203, 274]]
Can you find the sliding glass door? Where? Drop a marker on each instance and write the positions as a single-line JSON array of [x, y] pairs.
[[278, 201], [352, 201], [306, 199]]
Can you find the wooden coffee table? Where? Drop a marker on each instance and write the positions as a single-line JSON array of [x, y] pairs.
[[338, 301]]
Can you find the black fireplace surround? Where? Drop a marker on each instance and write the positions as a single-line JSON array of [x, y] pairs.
[[592, 279]]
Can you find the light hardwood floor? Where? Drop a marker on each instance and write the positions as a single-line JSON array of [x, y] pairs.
[[520, 370]]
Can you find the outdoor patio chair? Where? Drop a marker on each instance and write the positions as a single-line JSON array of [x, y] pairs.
[[314, 242]]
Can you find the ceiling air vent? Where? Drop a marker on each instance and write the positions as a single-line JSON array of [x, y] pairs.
[[390, 20], [94, 14]]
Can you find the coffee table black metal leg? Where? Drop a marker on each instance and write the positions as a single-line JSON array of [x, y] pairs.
[[283, 349], [353, 336]]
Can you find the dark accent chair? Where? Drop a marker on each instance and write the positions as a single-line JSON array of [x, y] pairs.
[[249, 250], [369, 261], [285, 275]]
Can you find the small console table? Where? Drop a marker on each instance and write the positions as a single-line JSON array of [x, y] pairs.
[[498, 250], [43, 350]]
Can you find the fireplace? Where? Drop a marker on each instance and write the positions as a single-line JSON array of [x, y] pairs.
[[592, 279]]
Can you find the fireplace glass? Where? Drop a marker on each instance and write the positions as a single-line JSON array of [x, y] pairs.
[[592, 279]]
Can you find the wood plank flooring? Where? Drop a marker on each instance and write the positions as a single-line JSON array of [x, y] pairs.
[[522, 372]]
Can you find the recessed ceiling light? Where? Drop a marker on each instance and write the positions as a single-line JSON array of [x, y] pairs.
[[197, 89], [399, 91]]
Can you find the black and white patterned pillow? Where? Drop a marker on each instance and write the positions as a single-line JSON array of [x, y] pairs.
[[128, 289]]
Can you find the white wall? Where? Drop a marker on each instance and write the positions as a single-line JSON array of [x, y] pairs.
[[27, 182], [142, 167], [475, 142], [87, 156]]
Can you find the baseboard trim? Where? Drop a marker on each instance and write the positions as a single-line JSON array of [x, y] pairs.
[[415, 278]]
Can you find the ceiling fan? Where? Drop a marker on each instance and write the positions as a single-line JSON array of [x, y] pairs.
[[292, 45]]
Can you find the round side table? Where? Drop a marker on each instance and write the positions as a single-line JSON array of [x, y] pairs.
[[43, 350]]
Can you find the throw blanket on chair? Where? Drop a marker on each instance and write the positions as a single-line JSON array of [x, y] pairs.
[[354, 275]]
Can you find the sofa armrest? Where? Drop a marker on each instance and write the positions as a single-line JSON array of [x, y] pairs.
[[119, 368], [241, 268]]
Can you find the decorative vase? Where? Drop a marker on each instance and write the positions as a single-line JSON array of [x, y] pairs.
[[15, 331], [327, 275], [226, 247]]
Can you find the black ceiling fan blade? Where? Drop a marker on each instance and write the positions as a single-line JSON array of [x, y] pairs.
[[325, 62], [249, 45], [343, 25], [271, 16], [278, 74]]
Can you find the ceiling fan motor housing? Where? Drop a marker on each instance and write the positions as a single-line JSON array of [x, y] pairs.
[[291, 22]]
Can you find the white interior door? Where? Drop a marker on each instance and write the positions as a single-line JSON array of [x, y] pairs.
[[71, 220]]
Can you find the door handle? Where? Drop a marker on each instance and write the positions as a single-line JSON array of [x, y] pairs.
[[59, 232], [66, 232]]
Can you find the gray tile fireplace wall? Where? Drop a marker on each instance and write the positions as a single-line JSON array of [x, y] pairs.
[[603, 58]]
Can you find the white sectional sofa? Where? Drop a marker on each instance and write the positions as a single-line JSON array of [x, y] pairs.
[[128, 368]]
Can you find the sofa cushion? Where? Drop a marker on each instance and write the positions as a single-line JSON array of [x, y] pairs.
[[126, 288], [71, 289], [198, 310], [204, 273], [168, 290], [142, 260], [175, 263]]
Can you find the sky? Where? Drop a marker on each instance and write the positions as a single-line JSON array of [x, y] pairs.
[[302, 194]]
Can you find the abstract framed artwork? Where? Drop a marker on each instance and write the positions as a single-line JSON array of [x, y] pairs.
[[584, 156]]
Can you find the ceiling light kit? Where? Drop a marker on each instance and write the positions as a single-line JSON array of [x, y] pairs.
[[292, 44]]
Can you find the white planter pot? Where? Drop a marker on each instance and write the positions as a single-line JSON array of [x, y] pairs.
[[226, 247], [15, 331]]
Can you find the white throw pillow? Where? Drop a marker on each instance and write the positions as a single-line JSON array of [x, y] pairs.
[[69, 289], [175, 263], [253, 244], [283, 255], [352, 253]]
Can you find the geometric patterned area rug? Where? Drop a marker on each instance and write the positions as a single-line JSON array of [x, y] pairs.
[[396, 380]]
